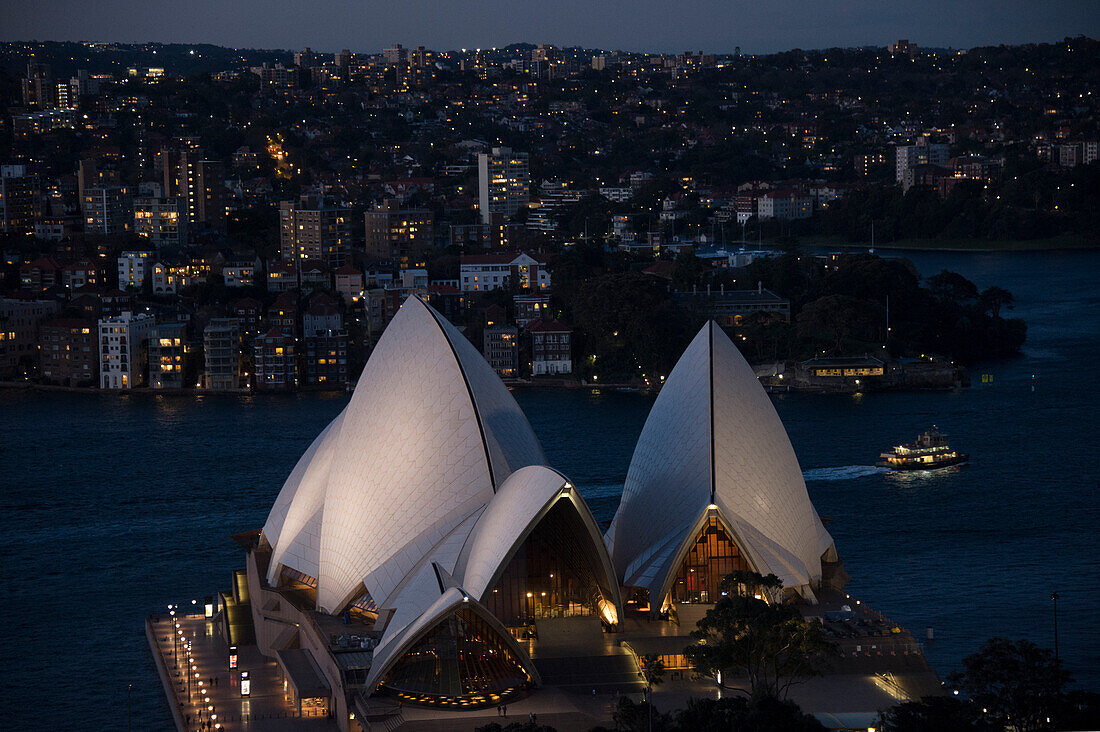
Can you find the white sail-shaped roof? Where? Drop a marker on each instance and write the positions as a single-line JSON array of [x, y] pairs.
[[298, 542], [524, 499], [391, 649], [714, 442], [273, 527], [428, 436]]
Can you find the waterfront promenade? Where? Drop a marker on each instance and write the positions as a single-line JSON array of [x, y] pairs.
[[193, 663]]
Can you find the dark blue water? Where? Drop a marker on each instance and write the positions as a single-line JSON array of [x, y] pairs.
[[113, 506]]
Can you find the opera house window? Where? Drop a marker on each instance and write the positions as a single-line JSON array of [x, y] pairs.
[[463, 662], [710, 558], [552, 575]]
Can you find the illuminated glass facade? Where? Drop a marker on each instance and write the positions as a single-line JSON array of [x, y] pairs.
[[554, 574], [711, 557], [463, 662]]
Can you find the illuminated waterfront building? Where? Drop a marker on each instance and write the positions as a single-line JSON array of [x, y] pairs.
[[501, 349], [461, 539], [68, 353], [167, 351], [422, 553], [222, 351], [123, 346]]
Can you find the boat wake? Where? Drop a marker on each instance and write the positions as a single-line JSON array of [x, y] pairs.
[[847, 472]]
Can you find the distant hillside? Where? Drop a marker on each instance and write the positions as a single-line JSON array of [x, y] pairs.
[[115, 58]]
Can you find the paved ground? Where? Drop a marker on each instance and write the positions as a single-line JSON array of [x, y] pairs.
[[570, 708], [266, 708]]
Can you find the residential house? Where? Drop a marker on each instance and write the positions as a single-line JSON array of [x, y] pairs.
[[485, 272], [551, 347]]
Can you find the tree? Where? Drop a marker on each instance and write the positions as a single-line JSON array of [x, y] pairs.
[[834, 320], [994, 298], [952, 286], [653, 669], [631, 324], [653, 672], [946, 713], [1018, 682], [639, 717], [744, 715], [750, 631]]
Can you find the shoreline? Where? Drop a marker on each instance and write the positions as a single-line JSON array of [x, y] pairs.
[[1064, 243]]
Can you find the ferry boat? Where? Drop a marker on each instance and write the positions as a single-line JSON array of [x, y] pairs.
[[929, 452]]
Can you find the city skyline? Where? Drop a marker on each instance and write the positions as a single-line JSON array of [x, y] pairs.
[[702, 25]]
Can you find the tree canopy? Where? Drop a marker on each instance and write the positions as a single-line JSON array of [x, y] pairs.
[[750, 632]]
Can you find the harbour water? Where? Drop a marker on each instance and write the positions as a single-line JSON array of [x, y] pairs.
[[112, 506]]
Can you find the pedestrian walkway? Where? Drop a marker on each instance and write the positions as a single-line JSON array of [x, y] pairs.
[[207, 693]]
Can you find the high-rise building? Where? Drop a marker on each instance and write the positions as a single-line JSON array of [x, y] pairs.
[[167, 351], [39, 90], [123, 345], [200, 182], [325, 361], [83, 84], [276, 78], [395, 54], [68, 351], [108, 210], [222, 347], [504, 179], [923, 153], [305, 58], [903, 48], [276, 364], [19, 200], [19, 320], [313, 229], [163, 221], [500, 347], [403, 235]]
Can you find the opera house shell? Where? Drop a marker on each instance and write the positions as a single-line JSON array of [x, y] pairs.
[[426, 503], [714, 486], [420, 537]]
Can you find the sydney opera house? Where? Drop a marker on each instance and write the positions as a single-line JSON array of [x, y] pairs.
[[422, 551]]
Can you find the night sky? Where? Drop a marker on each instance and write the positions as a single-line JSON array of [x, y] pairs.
[[666, 25]]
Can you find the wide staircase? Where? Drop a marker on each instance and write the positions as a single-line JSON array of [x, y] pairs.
[[574, 654]]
